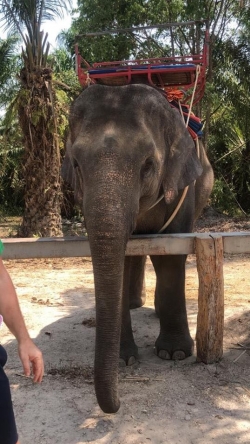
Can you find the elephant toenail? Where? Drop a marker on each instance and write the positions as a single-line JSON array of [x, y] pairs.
[[122, 363], [178, 355], [131, 360], [163, 354]]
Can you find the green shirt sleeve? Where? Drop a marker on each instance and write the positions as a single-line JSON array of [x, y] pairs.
[[1, 247]]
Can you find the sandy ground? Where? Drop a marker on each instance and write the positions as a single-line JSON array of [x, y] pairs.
[[161, 401]]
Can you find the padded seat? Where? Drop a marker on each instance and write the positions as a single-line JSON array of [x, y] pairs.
[[159, 75]]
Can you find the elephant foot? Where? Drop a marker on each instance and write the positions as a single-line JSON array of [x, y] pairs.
[[128, 354], [175, 347], [137, 301]]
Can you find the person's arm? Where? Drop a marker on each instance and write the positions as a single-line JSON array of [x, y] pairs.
[[13, 318]]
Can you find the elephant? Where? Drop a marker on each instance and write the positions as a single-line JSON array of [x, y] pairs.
[[126, 148]]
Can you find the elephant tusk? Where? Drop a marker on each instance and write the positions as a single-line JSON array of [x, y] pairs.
[[158, 200], [175, 211]]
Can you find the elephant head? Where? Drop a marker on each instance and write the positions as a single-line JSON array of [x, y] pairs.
[[126, 145]]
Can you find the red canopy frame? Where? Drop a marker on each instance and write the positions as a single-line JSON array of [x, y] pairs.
[[187, 72]]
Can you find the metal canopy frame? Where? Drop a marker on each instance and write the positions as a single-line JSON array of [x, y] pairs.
[[141, 28]]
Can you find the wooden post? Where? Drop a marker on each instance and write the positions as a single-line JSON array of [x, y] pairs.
[[210, 320]]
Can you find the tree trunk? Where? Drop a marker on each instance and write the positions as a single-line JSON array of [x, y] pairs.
[[41, 163]]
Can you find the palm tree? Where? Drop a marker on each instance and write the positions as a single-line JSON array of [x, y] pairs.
[[6, 59], [37, 111]]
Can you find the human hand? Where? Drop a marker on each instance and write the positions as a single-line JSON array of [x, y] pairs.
[[30, 354]]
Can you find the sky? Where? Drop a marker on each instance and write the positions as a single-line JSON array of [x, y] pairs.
[[53, 28]]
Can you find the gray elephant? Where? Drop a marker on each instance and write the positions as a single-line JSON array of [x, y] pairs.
[[127, 146]]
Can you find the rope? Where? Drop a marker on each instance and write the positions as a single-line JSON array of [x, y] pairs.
[[88, 80], [196, 141], [198, 70], [181, 111]]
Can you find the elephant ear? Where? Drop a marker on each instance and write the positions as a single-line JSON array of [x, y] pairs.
[[71, 174], [182, 164]]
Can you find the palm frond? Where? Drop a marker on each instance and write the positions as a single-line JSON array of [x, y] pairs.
[[6, 52], [9, 19], [28, 15], [10, 115]]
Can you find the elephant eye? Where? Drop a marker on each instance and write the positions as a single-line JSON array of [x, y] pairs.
[[147, 167], [75, 164]]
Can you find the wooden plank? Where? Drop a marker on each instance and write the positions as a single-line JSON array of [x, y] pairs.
[[28, 248], [236, 242], [210, 320], [160, 244]]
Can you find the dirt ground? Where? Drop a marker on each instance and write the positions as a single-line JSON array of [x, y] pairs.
[[161, 401]]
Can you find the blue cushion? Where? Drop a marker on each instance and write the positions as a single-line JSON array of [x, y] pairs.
[[102, 71], [139, 67]]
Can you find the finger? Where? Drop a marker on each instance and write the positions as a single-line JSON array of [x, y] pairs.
[[38, 369], [40, 373], [26, 365]]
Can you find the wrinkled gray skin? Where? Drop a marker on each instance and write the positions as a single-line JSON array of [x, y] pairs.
[[126, 147]]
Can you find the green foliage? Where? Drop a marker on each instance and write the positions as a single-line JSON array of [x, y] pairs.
[[7, 58], [225, 108], [67, 88], [9, 68], [11, 146], [229, 130], [224, 199], [101, 15], [64, 75], [36, 107], [25, 18], [61, 61], [11, 182]]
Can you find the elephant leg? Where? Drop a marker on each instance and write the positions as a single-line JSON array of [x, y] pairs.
[[137, 292], [128, 348], [174, 340]]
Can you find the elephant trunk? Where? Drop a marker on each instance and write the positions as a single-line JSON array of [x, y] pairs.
[[108, 328], [108, 227]]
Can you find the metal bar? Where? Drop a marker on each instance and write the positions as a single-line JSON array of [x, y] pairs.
[[140, 28]]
